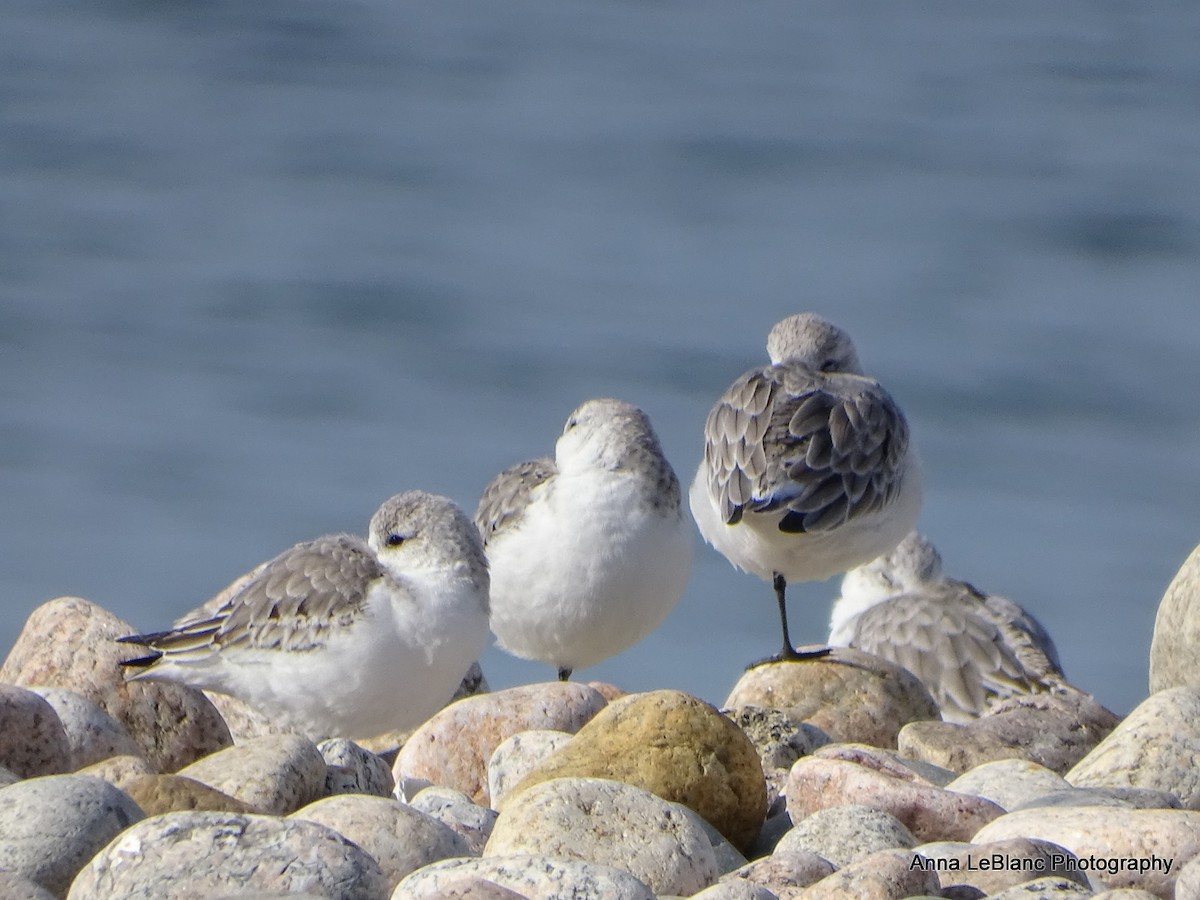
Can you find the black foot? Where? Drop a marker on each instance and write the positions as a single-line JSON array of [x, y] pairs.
[[564, 673], [791, 654]]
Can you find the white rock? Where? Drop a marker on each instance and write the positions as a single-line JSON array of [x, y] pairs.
[[398, 837], [610, 823], [454, 808], [844, 834], [1008, 783], [276, 774], [533, 877], [517, 756], [200, 855], [349, 769]]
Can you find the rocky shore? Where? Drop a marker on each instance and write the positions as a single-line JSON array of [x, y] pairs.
[[832, 777]]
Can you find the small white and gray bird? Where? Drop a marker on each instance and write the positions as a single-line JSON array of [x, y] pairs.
[[970, 649], [341, 637], [588, 551], [809, 468]]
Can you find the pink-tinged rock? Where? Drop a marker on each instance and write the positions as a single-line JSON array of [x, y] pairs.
[[32, 738], [929, 812], [886, 875], [992, 868], [452, 749], [1104, 833], [851, 695], [786, 875], [92, 734], [71, 643], [1054, 730]]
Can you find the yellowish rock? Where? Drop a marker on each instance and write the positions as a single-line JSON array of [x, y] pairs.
[[157, 794], [673, 745], [854, 696]]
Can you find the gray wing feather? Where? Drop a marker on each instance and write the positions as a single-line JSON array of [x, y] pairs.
[[504, 500], [821, 449], [957, 652], [290, 603]]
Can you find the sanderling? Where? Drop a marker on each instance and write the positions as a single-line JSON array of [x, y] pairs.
[[970, 649], [589, 551], [341, 637], [808, 466]]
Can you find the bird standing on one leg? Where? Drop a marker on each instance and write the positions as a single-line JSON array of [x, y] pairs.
[[809, 469]]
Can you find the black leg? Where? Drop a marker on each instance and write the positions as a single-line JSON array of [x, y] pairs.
[[564, 673], [788, 653]]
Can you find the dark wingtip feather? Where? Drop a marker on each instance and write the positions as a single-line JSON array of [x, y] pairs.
[[142, 662]]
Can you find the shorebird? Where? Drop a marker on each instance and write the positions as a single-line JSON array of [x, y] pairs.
[[808, 468], [341, 637], [970, 649], [588, 551]]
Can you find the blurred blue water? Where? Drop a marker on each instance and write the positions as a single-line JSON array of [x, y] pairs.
[[264, 264]]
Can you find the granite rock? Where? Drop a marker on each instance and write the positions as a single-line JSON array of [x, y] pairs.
[[398, 837], [610, 823], [1109, 833], [532, 877], [276, 774], [455, 809], [1046, 887], [1157, 746], [203, 855], [844, 834], [33, 740], [92, 734], [1175, 647], [350, 769], [884, 875], [851, 695], [1054, 729], [929, 812], [998, 865], [51, 826], [517, 756], [1009, 783], [675, 746], [786, 875], [71, 643], [453, 747], [157, 794]]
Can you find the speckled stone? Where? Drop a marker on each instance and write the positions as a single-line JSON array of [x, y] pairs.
[[1157, 746], [157, 794], [120, 771], [885, 875], [455, 809], [532, 877], [517, 756], [851, 695], [735, 890], [51, 826], [92, 734], [1009, 783], [7, 776], [779, 739], [71, 643], [398, 837], [1055, 730], [886, 761], [844, 834], [32, 739], [472, 889], [998, 865], [350, 769], [1127, 797], [1106, 833], [245, 723], [786, 875], [452, 749], [610, 823], [1047, 887], [277, 774], [673, 745], [1187, 886], [1175, 647], [17, 887], [204, 855], [929, 812]]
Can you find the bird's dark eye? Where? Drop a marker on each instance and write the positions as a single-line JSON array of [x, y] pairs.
[[394, 540], [571, 423], [830, 365]]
